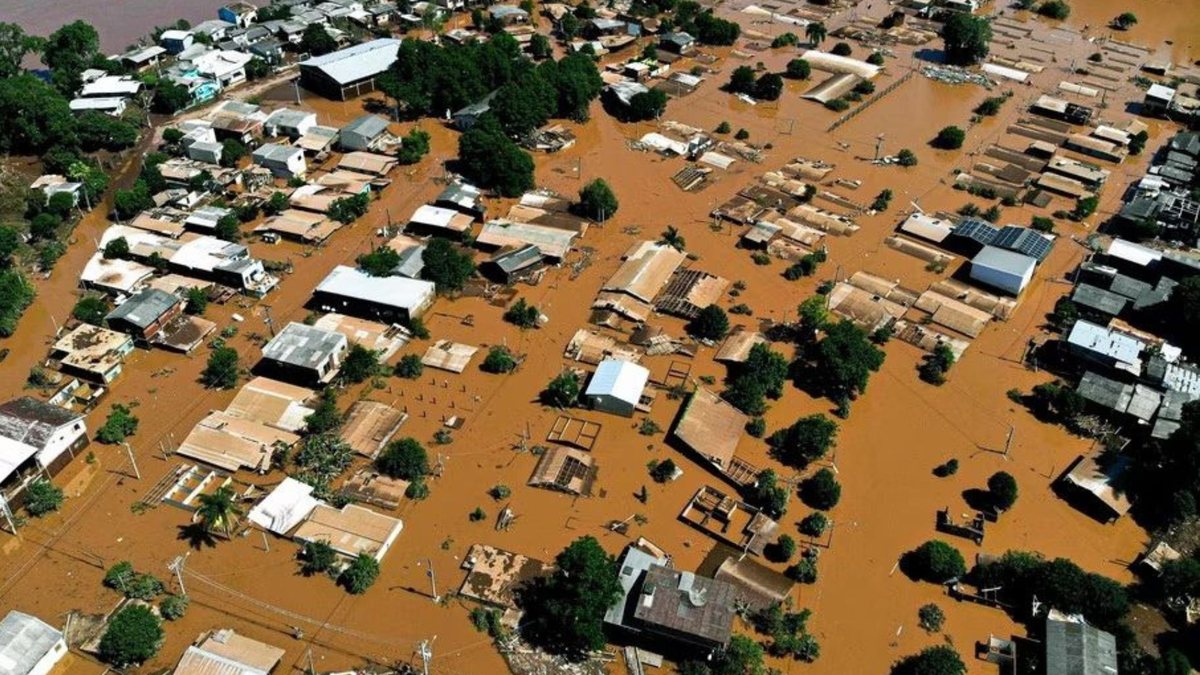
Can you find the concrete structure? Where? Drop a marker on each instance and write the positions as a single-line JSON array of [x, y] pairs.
[[1002, 269], [351, 291], [617, 387], [306, 355], [145, 314], [92, 353], [28, 645], [284, 161], [1105, 347], [285, 507], [349, 72]]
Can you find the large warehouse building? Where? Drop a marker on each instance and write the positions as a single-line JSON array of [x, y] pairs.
[[351, 72]]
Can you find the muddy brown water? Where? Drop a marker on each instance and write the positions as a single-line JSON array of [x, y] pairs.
[[119, 22], [864, 611]]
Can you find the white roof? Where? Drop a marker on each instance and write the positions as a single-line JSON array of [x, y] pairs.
[[394, 291], [663, 143], [1093, 337], [622, 380], [13, 454], [98, 103], [111, 85], [927, 227], [1134, 253], [434, 216], [832, 63], [357, 62], [24, 641], [175, 35], [1159, 91], [117, 274], [287, 505], [1005, 71]]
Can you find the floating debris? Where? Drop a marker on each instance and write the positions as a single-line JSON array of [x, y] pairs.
[[956, 75]]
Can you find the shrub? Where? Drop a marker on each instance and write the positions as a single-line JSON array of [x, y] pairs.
[[360, 574], [949, 468], [838, 104], [931, 617], [42, 497], [950, 138], [649, 427], [906, 157], [562, 391], [723, 128], [410, 367], [842, 49], [1043, 224], [875, 59], [477, 515], [405, 459], [821, 491], [120, 424], [133, 636], [663, 471], [173, 607], [804, 571], [522, 314], [1054, 9], [814, 524], [499, 492], [934, 561], [741, 135]]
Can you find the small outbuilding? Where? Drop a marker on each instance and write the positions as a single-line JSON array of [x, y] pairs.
[[306, 355], [617, 387], [1002, 269], [352, 291], [284, 161]]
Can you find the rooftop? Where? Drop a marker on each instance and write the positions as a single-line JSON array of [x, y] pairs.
[[622, 380], [357, 62], [683, 602], [350, 530], [145, 308], [711, 427], [304, 346], [1075, 648], [393, 291], [24, 641], [224, 652]]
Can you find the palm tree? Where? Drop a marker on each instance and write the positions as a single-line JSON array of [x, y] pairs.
[[816, 33], [672, 238], [218, 510]]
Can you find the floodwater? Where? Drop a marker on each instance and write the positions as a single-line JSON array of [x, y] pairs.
[[864, 610], [119, 22]]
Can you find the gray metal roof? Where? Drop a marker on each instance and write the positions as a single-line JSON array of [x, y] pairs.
[[367, 126], [685, 603], [32, 422], [358, 62], [1099, 299], [1004, 260], [412, 261], [1075, 648], [1105, 392], [304, 346], [275, 152], [24, 640], [634, 564], [144, 308], [517, 259]]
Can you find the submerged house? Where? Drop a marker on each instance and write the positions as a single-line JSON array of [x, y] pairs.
[[36, 438], [617, 387], [351, 72], [304, 355]]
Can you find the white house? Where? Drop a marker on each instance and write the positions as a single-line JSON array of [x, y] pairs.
[[28, 645], [290, 123], [175, 41], [36, 437], [284, 161], [617, 387], [288, 504]]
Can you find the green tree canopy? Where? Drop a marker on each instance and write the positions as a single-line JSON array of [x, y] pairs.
[[91, 309], [221, 371], [360, 574], [405, 459], [936, 660], [564, 612], [316, 40], [446, 266], [14, 45], [359, 365], [966, 38], [36, 116], [597, 200], [821, 490], [934, 561], [380, 262], [134, 635], [1003, 489], [804, 442], [950, 138], [69, 51], [491, 160], [563, 390], [712, 323], [839, 365]]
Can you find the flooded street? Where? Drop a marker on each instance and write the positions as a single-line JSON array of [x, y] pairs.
[[119, 22], [864, 610]]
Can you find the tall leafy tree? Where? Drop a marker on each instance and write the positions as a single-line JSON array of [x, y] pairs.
[[69, 51], [36, 116], [565, 611], [218, 510], [446, 266], [490, 159], [966, 38], [14, 45]]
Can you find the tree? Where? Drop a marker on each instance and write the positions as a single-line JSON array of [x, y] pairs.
[[842, 49], [875, 58], [42, 497], [318, 557], [799, 69], [597, 201], [768, 87], [841, 363], [446, 266], [671, 237], [539, 47], [906, 157], [346, 210], [132, 637], [410, 367], [405, 459], [129, 203], [812, 316], [742, 80], [936, 363], [325, 417], [937, 660], [804, 442], [317, 41], [218, 510], [1054, 9], [1003, 490], [10, 241], [522, 314], [950, 138], [173, 607], [119, 424], [816, 33], [821, 491], [934, 561], [712, 323], [499, 361], [491, 160], [91, 309], [197, 301], [742, 656], [663, 471], [360, 364], [762, 376], [814, 524], [646, 105], [524, 104], [170, 97], [782, 550], [1125, 21], [36, 116], [768, 495], [16, 293], [563, 390], [14, 45], [564, 612], [221, 371], [1085, 207], [68, 51], [229, 227], [380, 262], [413, 147], [966, 38], [360, 574], [98, 131]]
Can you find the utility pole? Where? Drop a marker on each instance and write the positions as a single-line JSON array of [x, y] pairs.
[[8, 514], [425, 648], [432, 580], [133, 460], [176, 566], [878, 146], [1008, 441], [270, 322]]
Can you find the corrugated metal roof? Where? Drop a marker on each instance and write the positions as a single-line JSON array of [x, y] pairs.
[[357, 62], [622, 380], [24, 640]]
